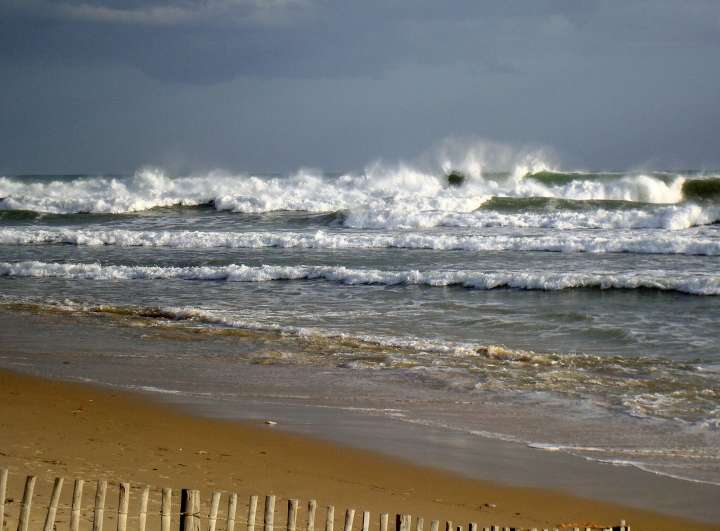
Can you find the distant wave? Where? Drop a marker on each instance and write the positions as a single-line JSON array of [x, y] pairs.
[[647, 242], [703, 187], [673, 217], [695, 284], [303, 191], [496, 212], [401, 189]]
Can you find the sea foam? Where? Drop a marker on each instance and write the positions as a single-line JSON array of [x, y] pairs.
[[401, 190], [673, 217], [696, 284], [639, 242]]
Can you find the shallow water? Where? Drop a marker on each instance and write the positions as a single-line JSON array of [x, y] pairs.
[[238, 375], [575, 312]]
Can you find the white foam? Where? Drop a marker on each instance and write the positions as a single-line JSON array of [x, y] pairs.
[[658, 468], [379, 191], [153, 389], [696, 284], [648, 242], [304, 191], [672, 217], [638, 188]]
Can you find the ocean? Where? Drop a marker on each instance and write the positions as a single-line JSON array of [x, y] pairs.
[[571, 312]]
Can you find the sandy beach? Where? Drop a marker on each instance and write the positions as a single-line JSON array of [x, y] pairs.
[[53, 428]]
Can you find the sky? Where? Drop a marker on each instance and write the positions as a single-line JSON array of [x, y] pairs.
[[103, 86]]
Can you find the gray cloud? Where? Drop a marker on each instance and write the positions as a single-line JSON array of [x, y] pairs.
[[277, 84], [218, 40], [159, 13]]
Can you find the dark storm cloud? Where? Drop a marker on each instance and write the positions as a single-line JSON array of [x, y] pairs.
[[207, 42], [275, 83], [218, 40]]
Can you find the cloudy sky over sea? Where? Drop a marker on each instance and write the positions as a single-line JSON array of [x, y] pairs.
[[107, 86]]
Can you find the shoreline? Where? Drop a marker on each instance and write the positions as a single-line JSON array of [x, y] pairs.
[[92, 432], [208, 376]]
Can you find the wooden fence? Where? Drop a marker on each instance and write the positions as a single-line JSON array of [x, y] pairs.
[[155, 509]]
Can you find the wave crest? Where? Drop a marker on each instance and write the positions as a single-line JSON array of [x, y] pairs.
[[695, 284], [400, 190], [651, 242]]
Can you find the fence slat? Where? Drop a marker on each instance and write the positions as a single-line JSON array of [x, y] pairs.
[[269, 512], [142, 515], [76, 505], [366, 521], [419, 524], [99, 505], [349, 517], [403, 522], [186, 503], [384, 522], [198, 507], [232, 509], [3, 489], [251, 513], [52, 508], [214, 506], [166, 509], [24, 518], [292, 515], [330, 518], [312, 507], [123, 504], [189, 509]]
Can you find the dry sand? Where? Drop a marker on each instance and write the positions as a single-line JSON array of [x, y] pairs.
[[51, 428]]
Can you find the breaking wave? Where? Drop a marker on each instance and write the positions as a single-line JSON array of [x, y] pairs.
[[695, 284], [673, 217], [303, 191], [648, 242], [401, 189]]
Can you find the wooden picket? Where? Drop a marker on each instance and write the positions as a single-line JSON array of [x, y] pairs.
[[190, 517]]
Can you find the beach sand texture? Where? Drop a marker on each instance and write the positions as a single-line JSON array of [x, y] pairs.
[[52, 428]]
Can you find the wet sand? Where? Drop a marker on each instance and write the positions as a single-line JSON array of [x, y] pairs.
[[51, 428]]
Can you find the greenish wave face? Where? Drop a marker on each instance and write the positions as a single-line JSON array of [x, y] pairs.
[[11, 216], [560, 178], [695, 187], [19, 215], [544, 204], [702, 189]]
